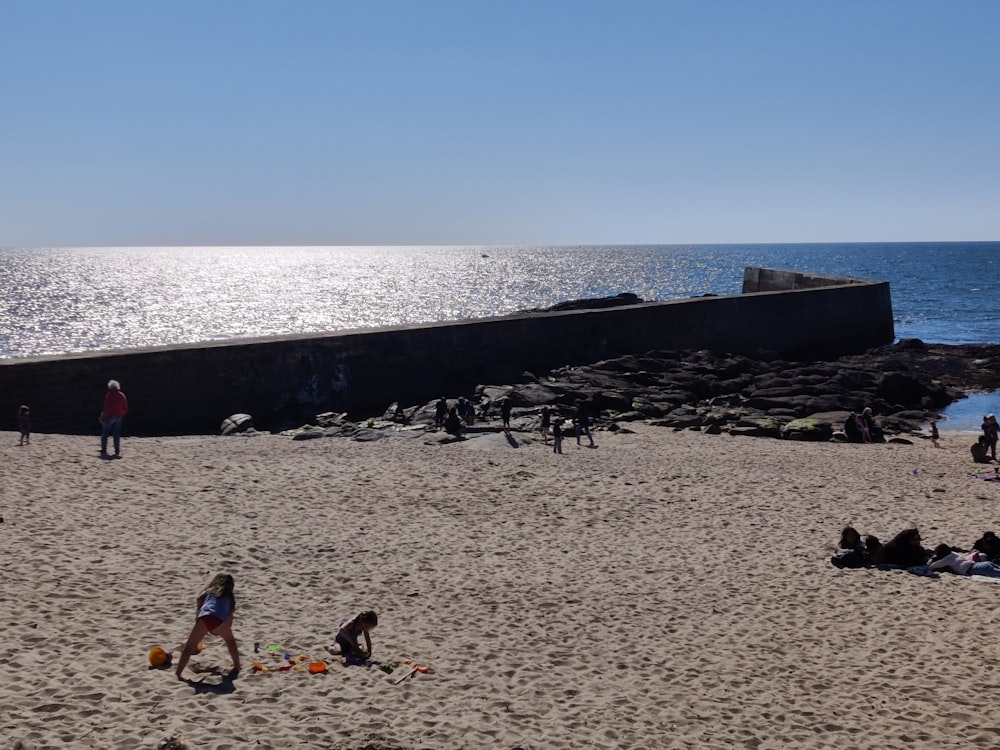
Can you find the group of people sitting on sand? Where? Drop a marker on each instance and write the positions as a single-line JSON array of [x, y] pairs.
[[862, 428], [906, 551]]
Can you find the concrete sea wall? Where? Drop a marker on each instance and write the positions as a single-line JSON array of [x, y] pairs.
[[284, 381]]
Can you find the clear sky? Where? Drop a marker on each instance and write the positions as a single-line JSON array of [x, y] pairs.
[[187, 122]]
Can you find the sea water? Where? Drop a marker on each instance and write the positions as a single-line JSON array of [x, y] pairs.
[[65, 300]]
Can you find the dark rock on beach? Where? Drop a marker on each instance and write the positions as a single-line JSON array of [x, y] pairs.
[[758, 396]]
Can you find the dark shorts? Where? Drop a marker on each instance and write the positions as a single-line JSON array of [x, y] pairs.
[[346, 647]]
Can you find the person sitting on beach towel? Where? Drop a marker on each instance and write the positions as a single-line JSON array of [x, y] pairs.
[[851, 428], [989, 545], [981, 450], [852, 552], [346, 643], [905, 550], [453, 424]]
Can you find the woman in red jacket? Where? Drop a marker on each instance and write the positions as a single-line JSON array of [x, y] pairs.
[[114, 411]]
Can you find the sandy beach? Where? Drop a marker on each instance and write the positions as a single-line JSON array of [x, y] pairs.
[[665, 589]]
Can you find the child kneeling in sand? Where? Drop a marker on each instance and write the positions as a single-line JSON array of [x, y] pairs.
[[346, 643], [216, 605]]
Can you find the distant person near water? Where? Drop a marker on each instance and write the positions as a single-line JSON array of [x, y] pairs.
[[981, 450], [935, 435], [990, 432], [24, 424], [114, 411]]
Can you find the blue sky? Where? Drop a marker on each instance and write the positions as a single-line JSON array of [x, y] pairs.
[[195, 122]]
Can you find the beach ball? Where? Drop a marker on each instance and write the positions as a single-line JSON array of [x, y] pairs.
[[158, 657]]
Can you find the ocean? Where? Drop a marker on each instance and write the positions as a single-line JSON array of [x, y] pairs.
[[88, 299]]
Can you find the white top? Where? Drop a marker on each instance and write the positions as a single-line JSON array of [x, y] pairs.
[[956, 562]]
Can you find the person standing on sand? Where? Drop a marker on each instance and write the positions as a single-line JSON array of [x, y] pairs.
[[935, 435], [24, 424], [991, 431], [557, 435], [114, 411], [216, 605], [544, 423], [440, 412], [582, 420], [505, 414]]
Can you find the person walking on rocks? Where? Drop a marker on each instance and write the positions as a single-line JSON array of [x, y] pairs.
[[114, 411]]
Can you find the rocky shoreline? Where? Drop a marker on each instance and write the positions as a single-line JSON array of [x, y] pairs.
[[766, 395]]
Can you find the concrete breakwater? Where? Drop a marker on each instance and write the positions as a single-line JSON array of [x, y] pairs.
[[283, 381]]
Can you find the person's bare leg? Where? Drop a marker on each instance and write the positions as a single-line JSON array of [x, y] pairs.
[[225, 631], [198, 632]]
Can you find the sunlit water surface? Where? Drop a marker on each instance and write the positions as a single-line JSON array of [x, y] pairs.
[[64, 300]]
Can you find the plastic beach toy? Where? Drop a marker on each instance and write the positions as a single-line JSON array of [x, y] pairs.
[[422, 668], [316, 667]]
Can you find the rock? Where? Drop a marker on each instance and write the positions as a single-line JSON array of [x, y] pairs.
[[763, 426], [750, 432], [900, 388], [329, 419], [533, 394], [235, 424], [308, 432], [625, 298], [768, 395], [809, 428]]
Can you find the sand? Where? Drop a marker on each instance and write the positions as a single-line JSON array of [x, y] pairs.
[[665, 589]]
